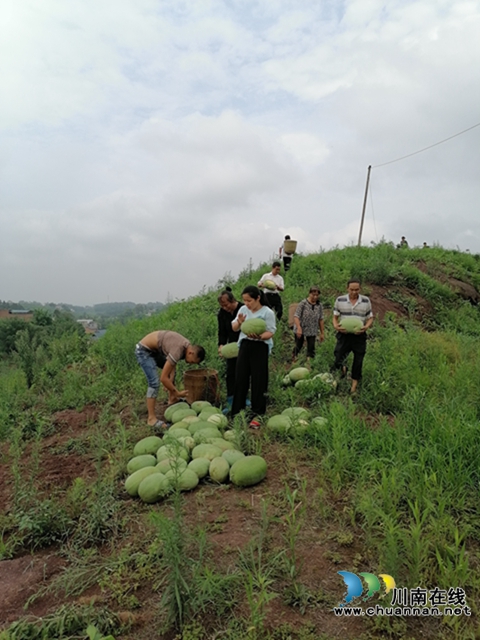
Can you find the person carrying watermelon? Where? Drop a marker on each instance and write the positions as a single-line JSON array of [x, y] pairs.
[[272, 283], [229, 308], [352, 317], [162, 350], [255, 344]]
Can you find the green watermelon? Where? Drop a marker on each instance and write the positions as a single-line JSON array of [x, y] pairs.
[[170, 410], [138, 462], [229, 350], [351, 324], [199, 405], [270, 284], [153, 488], [219, 469], [257, 326], [133, 482], [299, 373], [248, 471], [149, 444]]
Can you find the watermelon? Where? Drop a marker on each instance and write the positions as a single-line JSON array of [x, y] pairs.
[[254, 326], [351, 324], [299, 373], [296, 413], [232, 455], [248, 471], [229, 350], [153, 488], [279, 424], [149, 444], [181, 414], [200, 466], [199, 405], [204, 435], [133, 482], [219, 469], [219, 420], [270, 284], [185, 481], [171, 463], [138, 462], [222, 444], [209, 451], [170, 410]]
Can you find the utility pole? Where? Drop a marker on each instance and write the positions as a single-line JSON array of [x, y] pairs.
[[364, 206]]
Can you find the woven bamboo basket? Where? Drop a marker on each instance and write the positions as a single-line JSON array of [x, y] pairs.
[[202, 384]]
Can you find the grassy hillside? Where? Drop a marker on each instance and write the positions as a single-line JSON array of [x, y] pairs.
[[389, 485]]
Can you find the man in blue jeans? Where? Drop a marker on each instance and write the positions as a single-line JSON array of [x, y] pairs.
[[162, 350]]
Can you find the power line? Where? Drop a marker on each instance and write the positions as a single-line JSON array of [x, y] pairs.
[[429, 147]]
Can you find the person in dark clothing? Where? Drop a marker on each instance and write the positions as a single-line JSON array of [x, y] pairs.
[[229, 307]]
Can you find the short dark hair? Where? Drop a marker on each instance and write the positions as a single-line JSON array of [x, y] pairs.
[[200, 351], [276, 264], [357, 280], [314, 288], [287, 237]]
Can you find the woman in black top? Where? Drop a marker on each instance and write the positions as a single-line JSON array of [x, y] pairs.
[[228, 312]]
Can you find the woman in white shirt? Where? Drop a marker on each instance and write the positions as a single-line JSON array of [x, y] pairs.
[[252, 361]]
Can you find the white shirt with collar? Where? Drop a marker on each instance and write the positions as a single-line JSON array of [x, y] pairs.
[[278, 280]]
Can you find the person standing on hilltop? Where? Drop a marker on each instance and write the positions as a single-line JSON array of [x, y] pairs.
[[272, 283], [229, 308], [287, 257], [352, 305], [403, 244], [163, 350]]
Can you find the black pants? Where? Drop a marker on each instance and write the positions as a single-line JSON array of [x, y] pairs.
[[274, 301], [252, 367], [286, 263], [346, 344], [299, 340], [231, 368]]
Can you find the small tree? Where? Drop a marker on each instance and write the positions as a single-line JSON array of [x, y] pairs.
[[28, 345]]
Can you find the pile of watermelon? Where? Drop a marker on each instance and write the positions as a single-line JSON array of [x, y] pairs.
[[193, 448], [294, 420], [302, 378]]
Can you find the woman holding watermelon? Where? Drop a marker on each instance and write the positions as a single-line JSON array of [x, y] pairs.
[[255, 344]]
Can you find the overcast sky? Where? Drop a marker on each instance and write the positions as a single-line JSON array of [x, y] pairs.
[[150, 147]]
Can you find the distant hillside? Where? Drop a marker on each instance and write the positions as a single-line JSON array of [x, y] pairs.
[[103, 313]]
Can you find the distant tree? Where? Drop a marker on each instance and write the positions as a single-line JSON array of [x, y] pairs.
[[42, 318], [8, 334]]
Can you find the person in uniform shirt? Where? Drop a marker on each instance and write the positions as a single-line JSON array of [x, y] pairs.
[[163, 350], [273, 298], [356, 305]]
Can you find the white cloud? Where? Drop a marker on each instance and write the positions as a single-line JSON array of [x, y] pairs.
[[149, 147]]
